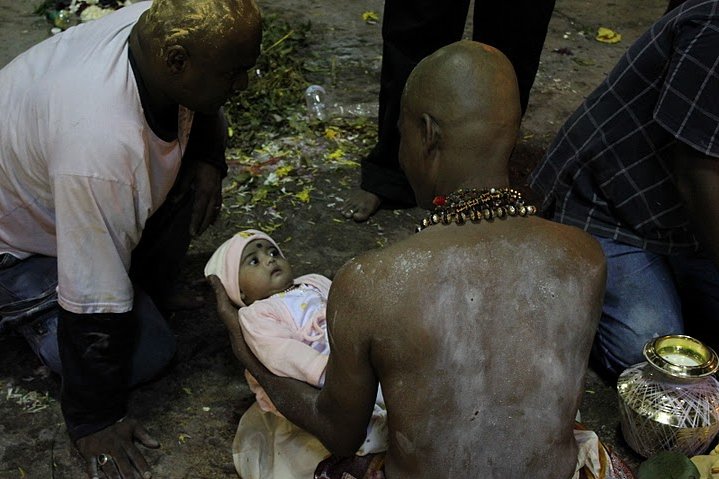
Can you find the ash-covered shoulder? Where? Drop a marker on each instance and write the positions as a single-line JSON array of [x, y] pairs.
[[394, 263]]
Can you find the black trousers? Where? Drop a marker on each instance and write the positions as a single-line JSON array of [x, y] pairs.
[[413, 29]]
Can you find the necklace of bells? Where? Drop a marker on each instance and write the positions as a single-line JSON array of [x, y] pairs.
[[475, 205]]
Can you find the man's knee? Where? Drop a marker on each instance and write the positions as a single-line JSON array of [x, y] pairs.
[[620, 340], [41, 336]]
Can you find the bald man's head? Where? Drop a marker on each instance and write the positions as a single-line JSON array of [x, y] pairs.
[[459, 119], [464, 81]]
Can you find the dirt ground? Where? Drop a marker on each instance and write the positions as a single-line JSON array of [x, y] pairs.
[[194, 409]]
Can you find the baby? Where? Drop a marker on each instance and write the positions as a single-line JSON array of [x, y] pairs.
[[283, 322]]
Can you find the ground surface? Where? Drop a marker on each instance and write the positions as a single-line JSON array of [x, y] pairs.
[[195, 408]]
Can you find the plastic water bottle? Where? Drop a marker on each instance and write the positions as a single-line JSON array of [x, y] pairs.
[[319, 108], [354, 110], [315, 98]]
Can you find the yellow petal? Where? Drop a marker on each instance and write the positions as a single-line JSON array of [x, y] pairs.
[[332, 133], [606, 35], [336, 155], [304, 195], [370, 17]]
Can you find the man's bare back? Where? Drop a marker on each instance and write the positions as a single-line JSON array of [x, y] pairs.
[[480, 340], [479, 333]]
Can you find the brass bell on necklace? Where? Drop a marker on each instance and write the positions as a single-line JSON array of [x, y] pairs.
[[671, 401]]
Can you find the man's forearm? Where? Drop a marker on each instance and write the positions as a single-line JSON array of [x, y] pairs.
[[304, 406], [95, 350], [296, 400]]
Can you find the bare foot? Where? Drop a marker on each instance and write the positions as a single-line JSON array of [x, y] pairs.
[[360, 205]]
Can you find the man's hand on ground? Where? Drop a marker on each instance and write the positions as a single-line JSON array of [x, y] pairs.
[[111, 453]]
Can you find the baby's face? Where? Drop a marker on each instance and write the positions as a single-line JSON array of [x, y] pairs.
[[263, 271]]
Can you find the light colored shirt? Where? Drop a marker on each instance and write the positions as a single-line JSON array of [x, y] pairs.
[[80, 169]]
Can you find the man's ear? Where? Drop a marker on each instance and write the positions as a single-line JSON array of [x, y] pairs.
[[177, 59], [431, 134]]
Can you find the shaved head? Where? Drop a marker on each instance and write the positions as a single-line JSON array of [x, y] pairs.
[[464, 81], [461, 112]]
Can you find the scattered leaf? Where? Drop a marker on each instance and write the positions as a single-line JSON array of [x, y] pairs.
[[336, 155], [605, 35], [284, 170], [304, 195], [332, 133], [370, 17], [585, 62]]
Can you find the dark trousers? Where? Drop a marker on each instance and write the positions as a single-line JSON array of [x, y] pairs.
[[413, 29]]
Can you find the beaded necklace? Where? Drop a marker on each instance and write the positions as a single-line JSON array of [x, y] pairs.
[[475, 205]]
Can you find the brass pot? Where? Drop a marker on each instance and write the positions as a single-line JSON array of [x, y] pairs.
[[671, 402]]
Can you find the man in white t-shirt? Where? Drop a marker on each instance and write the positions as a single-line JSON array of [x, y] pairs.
[[112, 146]]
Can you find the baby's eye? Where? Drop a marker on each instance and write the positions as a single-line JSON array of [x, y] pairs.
[[274, 252], [254, 261]]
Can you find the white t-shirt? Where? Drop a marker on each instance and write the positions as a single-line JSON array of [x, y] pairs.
[[80, 169]]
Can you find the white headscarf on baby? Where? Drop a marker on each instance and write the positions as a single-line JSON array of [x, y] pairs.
[[225, 261]]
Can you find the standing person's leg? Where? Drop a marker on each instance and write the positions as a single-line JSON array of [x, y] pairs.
[[517, 29], [697, 279], [411, 30], [641, 302]]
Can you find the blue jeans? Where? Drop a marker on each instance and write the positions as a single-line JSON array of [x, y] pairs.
[[650, 295], [28, 305]]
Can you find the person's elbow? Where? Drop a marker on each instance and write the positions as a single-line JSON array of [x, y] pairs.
[[344, 443], [346, 435]]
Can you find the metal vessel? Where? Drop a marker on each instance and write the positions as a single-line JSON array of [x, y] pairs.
[[671, 401]]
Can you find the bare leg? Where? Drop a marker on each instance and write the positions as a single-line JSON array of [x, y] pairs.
[[360, 205]]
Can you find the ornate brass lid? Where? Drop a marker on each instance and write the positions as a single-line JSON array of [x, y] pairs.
[[681, 356]]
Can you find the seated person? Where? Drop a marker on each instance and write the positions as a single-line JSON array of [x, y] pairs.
[[479, 326], [637, 166], [284, 321]]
